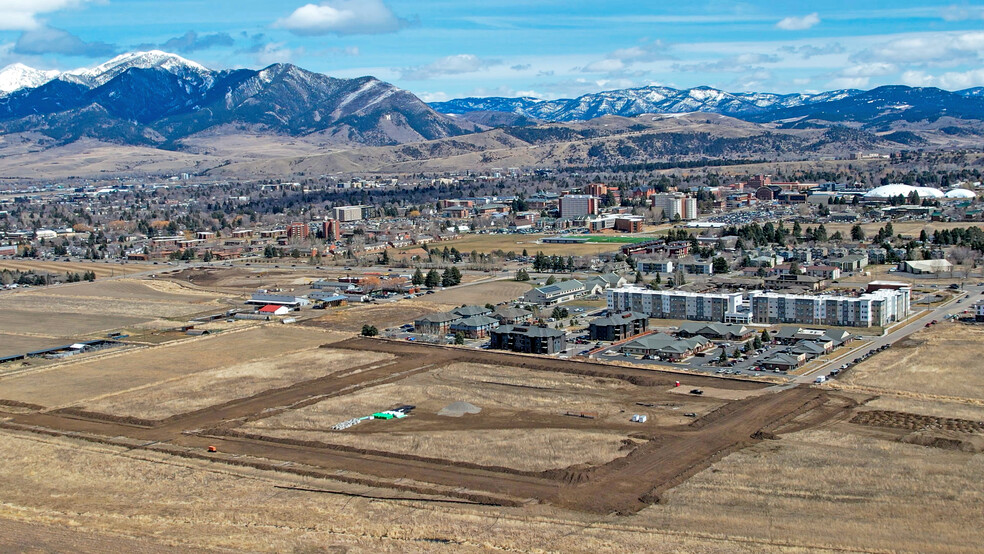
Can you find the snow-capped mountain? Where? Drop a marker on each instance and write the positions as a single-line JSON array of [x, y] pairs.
[[637, 101], [156, 98], [154, 59], [18, 76]]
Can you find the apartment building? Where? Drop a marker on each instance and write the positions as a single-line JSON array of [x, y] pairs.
[[673, 304], [878, 308], [675, 204], [574, 205]]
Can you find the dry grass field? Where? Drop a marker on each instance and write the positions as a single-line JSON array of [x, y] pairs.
[[67, 325], [216, 386], [123, 500], [71, 382], [11, 344], [119, 298], [832, 488], [541, 449], [515, 403], [480, 294], [943, 360], [61, 268], [352, 317], [517, 243]]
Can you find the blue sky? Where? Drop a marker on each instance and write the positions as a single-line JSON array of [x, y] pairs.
[[444, 49]]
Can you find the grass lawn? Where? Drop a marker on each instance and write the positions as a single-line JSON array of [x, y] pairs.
[[618, 240]]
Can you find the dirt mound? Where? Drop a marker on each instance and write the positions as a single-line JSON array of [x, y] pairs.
[[947, 440], [458, 409], [916, 422]]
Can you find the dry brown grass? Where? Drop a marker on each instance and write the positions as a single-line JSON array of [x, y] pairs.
[[525, 449], [71, 382], [480, 294], [128, 299], [68, 326], [11, 345], [208, 388], [351, 318], [943, 360], [516, 243], [61, 268], [115, 494], [937, 408], [832, 488]]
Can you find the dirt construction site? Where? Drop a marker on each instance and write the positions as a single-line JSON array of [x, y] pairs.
[[270, 437], [545, 431]]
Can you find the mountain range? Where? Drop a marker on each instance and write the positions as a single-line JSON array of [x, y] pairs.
[[162, 100], [836, 105], [155, 99]]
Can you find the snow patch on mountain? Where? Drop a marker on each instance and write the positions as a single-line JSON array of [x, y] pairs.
[[18, 76]]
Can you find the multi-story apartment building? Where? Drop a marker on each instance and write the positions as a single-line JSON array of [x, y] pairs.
[[352, 213], [878, 308], [675, 204], [574, 205], [673, 304]]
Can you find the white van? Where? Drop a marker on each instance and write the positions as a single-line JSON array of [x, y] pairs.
[[819, 380]]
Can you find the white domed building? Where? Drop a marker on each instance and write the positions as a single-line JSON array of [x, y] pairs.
[[895, 190], [960, 194]]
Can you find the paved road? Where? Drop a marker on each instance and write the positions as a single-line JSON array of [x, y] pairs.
[[971, 293]]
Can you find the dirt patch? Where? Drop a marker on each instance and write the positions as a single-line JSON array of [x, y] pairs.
[[916, 422], [459, 409], [712, 392], [946, 440]]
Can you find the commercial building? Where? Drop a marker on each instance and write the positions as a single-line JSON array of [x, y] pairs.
[[926, 266], [555, 293], [878, 308], [529, 339], [618, 326], [674, 304], [574, 205]]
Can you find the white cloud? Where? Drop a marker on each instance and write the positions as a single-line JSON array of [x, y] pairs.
[[448, 65], [618, 60], [808, 51], [21, 15], [799, 23], [604, 66], [276, 52], [938, 48], [962, 13], [342, 17], [741, 63], [849, 82], [951, 80], [873, 69], [433, 96]]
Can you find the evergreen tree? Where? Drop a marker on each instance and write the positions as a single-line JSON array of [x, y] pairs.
[[418, 277], [433, 279]]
